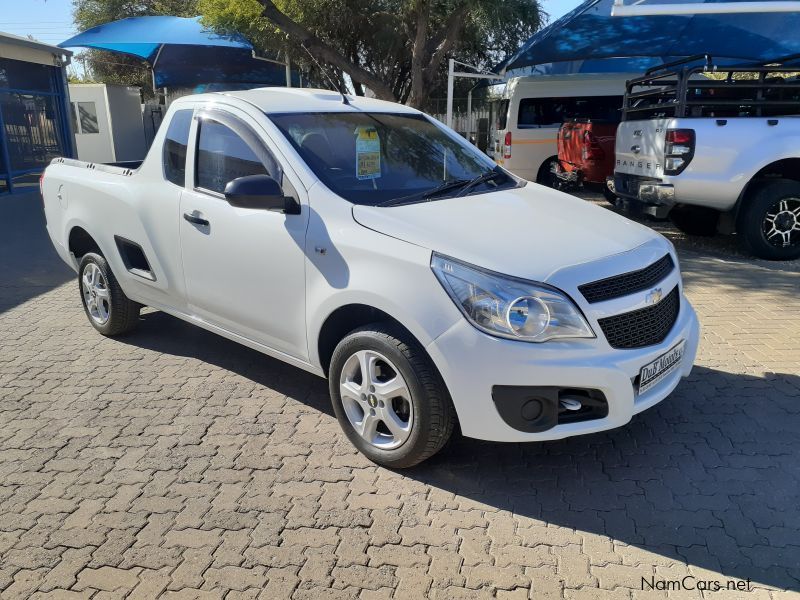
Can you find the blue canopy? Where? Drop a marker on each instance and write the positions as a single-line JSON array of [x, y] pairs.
[[182, 52], [143, 36], [590, 32]]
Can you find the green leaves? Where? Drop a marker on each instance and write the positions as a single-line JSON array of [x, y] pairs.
[[375, 42]]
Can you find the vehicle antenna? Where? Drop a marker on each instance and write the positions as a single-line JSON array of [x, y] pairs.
[[327, 76]]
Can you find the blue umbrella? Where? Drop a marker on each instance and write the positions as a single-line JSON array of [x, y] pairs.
[[182, 52], [590, 32]]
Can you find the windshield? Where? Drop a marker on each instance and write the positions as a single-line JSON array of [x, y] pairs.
[[380, 158]]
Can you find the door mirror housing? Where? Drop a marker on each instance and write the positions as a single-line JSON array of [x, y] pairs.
[[260, 192]]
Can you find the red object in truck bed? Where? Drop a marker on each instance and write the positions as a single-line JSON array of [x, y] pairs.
[[586, 151]]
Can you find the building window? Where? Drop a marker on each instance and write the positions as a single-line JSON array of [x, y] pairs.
[[87, 118]]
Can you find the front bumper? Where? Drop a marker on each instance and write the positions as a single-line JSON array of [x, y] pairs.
[[472, 363], [644, 189]]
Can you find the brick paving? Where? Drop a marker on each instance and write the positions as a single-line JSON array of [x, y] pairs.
[[172, 463]]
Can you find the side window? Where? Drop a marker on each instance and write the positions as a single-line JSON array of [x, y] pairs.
[[540, 112], [222, 156], [502, 114], [544, 112], [175, 143]]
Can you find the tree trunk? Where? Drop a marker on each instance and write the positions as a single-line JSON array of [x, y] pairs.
[[430, 54], [419, 54]]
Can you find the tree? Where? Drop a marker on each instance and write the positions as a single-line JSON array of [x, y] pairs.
[[396, 48], [111, 67]]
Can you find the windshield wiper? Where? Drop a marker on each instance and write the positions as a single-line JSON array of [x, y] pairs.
[[483, 178], [427, 194]]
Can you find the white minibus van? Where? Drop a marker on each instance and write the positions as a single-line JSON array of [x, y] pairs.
[[526, 113]]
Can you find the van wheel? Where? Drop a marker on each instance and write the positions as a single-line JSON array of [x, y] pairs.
[[769, 222], [109, 310], [545, 176], [388, 397], [695, 220]]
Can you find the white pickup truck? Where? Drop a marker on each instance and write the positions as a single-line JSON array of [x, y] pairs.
[[367, 243], [716, 154]]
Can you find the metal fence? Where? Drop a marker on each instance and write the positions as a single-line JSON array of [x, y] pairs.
[[474, 126]]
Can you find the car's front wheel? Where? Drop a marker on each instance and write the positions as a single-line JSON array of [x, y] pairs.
[[109, 310], [388, 397]]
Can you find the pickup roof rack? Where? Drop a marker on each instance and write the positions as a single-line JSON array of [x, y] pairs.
[[680, 89]]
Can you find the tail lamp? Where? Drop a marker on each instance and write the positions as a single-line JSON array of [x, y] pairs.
[[678, 150], [591, 147], [507, 146]]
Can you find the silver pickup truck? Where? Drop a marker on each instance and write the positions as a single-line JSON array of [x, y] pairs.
[[715, 154]]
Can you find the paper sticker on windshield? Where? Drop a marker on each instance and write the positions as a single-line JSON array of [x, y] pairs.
[[368, 153]]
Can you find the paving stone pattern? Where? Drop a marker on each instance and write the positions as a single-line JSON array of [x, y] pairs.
[[172, 463]]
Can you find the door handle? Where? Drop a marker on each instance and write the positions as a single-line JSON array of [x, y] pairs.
[[195, 220]]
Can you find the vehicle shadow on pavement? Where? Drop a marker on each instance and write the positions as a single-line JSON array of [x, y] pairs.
[[166, 334], [29, 266], [709, 477]]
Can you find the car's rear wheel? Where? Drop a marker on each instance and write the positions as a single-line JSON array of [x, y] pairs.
[[109, 310], [769, 222], [388, 397]]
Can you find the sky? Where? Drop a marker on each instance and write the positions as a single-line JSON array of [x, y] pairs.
[[51, 20], [48, 21]]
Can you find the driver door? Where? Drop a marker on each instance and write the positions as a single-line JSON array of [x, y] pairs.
[[244, 268]]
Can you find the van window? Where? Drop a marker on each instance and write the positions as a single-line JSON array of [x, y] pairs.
[[174, 157], [499, 116], [551, 112]]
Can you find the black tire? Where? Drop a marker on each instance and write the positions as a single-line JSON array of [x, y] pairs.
[[695, 220], [752, 224], [545, 176], [610, 196], [122, 313], [434, 416]]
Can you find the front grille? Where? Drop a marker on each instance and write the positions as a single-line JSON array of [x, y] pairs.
[[627, 283], [643, 327]]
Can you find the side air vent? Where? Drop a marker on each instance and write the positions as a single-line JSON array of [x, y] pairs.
[[134, 259]]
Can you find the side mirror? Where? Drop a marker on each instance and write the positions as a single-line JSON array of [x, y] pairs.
[[260, 192]]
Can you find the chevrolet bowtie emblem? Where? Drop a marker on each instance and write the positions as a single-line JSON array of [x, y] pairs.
[[654, 297]]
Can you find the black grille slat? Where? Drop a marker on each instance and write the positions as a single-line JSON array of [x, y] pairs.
[[627, 283], [643, 327]]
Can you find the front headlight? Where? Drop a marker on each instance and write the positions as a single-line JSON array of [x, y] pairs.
[[508, 307]]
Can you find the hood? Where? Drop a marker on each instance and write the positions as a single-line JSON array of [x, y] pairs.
[[527, 232]]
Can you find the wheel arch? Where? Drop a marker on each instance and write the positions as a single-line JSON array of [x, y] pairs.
[[345, 319], [784, 168], [81, 242]]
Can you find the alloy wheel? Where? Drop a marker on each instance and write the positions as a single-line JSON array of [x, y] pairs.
[[96, 294], [781, 225], [376, 399]]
